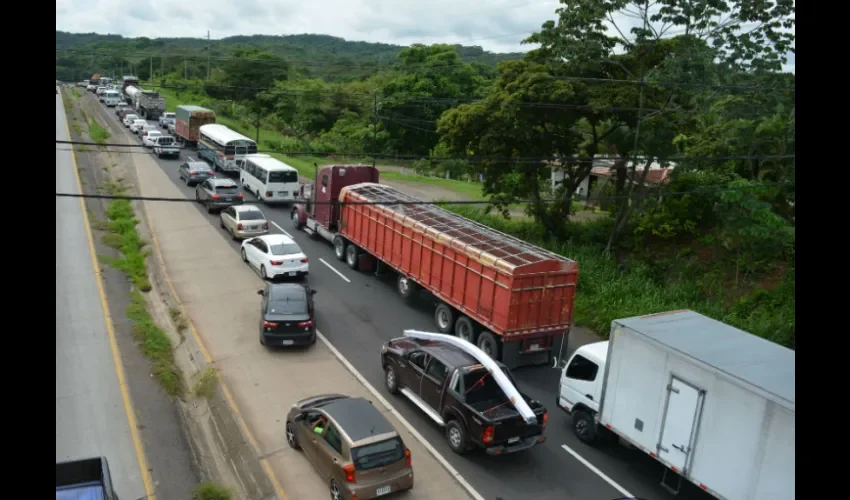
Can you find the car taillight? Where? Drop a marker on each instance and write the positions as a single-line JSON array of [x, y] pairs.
[[239, 226], [545, 418], [304, 260], [265, 225], [215, 196], [269, 324], [407, 458], [487, 436], [349, 473], [268, 194], [211, 172], [239, 196], [276, 262], [305, 324]]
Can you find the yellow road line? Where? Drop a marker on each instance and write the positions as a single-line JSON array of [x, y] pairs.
[[116, 355], [227, 394]]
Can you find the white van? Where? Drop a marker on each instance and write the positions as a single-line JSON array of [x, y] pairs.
[[269, 179], [111, 98]]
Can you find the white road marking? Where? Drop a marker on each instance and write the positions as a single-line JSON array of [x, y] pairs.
[[332, 268], [596, 471], [282, 229], [419, 437]]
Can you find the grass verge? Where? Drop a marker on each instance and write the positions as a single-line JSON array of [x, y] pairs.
[[211, 491], [97, 132], [155, 345], [207, 384]]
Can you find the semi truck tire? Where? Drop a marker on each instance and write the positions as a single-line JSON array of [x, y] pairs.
[[296, 220], [466, 329], [444, 316], [352, 256], [406, 287], [488, 343], [584, 427], [339, 247]]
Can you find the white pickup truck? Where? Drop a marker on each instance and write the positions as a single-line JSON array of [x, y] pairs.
[[165, 145]]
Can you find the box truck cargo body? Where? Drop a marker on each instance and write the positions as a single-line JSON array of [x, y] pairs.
[[511, 298], [714, 404]]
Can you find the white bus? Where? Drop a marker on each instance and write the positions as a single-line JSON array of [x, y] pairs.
[[111, 98], [269, 179], [223, 147]]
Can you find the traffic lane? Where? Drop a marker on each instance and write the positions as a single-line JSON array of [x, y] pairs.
[[90, 415], [361, 322]]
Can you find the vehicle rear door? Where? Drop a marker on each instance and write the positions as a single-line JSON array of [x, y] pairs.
[[329, 452]]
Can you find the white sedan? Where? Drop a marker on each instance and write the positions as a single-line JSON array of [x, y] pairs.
[[137, 125], [275, 255], [148, 139]]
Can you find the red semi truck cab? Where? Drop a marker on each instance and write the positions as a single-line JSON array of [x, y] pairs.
[[512, 299]]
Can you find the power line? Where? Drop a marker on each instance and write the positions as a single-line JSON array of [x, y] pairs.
[[713, 189], [566, 159]]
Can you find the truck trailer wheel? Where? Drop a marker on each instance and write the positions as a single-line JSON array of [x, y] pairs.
[[406, 287], [444, 316], [488, 343], [339, 247], [352, 256], [466, 329], [584, 427]]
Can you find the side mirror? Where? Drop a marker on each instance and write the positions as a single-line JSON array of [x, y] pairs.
[[261, 292], [299, 417], [313, 292]]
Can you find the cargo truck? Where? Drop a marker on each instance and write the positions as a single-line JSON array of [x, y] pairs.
[[131, 93], [128, 81], [84, 480], [510, 298], [151, 104], [188, 121], [714, 404]]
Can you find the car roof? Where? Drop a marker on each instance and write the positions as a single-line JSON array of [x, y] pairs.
[[276, 238], [453, 356], [358, 418], [223, 181], [246, 208], [197, 164]]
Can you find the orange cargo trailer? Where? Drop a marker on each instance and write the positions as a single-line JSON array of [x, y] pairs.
[[511, 298]]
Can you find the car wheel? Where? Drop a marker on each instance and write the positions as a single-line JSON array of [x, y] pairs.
[[291, 438], [465, 329], [391, 380], [336, 491], [209, 208], [233, 235], [352, 256], [263, 272], [244, 257], [456, 436], [197, 196], [584, 427], [221, 222]]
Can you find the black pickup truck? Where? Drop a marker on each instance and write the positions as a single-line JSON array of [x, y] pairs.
[[85, 479], [458, 393]]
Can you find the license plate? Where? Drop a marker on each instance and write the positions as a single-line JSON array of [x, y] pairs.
[[255, 227], [383, 491], [283, 193], [293, 273], [287, 342], [534, 347], [513, 440]]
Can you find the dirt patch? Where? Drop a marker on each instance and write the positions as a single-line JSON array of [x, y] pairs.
[[423, 191]]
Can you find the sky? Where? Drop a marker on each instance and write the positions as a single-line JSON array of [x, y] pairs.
[[495, 25]]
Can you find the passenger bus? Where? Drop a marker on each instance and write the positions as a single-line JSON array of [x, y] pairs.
[[223, 147], [111, 98], [269, 179]]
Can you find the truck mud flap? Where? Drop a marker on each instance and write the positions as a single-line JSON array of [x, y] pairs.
[[519, 353]]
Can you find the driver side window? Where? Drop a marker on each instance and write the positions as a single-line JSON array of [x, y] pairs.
[[419, 359]]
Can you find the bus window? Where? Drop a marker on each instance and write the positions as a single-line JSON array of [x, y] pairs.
[[283, 176]]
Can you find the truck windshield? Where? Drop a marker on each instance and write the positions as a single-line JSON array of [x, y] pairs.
[[378, 454]]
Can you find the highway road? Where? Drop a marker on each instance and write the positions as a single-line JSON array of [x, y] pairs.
[[91, 416], [363, 311]]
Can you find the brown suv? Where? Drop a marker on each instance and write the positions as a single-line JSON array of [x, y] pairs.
[[352, 446]]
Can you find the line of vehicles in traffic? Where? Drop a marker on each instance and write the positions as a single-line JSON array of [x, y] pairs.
[[682, 388]]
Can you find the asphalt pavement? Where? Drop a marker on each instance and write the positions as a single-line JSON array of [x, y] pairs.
[[357, 312], [90, 413]]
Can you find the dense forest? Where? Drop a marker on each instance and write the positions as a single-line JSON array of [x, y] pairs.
[[710, 103]]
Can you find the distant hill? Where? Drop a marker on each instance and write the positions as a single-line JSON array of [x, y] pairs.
[[327, 56]]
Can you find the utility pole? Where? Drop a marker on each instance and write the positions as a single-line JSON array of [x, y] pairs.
[[209, 53], [375, 131]]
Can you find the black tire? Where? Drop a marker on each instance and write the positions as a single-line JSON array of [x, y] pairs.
[[352, 256], [296, 220], [291, 437], [391, 380], [209, 208], [197, 196], [336, 491], [263, 272], [406, 287], [244, 257], [584, 427], [221, 223], [466, 329], [488, 343], [456, 436], [444, 317], [339, 247]]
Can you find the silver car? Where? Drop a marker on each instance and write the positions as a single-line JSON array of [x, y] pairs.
[[243, 221]]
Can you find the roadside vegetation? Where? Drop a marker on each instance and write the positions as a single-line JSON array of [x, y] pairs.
[[97, 132], [716, 235], [211, 491]]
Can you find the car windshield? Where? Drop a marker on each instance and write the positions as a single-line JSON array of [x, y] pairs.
[[198, 168], [226, 189], [154, 133], [251, 215], [289, 303], [165, 141], [378, 454], [285, 248]]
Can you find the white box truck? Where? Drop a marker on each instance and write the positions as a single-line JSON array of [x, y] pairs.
[[713, 403]]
